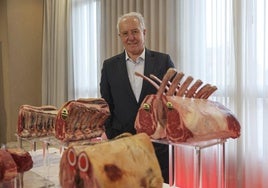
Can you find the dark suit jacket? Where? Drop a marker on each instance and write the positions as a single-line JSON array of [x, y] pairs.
[[115, 88]]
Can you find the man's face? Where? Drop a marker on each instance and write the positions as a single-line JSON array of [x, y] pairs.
[[132, 36]]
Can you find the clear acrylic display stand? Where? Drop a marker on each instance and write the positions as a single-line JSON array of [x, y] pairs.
[[49, 144], [44, 181], [31, 141], [197, 149]]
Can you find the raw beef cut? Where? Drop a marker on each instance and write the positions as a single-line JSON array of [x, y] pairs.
[[36, 121], [14, 161], [181, 112], [123, 162], [81, 119], [8, 167], [22, 158], [76, 120]]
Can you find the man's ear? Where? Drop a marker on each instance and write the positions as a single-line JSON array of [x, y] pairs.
[[144, 31]]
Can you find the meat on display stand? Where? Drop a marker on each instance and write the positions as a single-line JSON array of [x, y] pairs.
[[39, 156], [53, 141], [43, 156], [197, 150]]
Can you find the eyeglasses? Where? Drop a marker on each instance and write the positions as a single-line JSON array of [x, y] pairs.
[[126, 34]]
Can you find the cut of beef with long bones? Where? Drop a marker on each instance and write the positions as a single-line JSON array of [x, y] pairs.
[[36, 121], [81, 119], [75, 120], [181, 112]]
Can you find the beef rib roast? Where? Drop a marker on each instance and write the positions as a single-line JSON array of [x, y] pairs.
[[81, 119], [123, 162], [75, 120], [36, 121], [181, 112]]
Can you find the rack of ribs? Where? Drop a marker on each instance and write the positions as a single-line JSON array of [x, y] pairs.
[[181, 112]]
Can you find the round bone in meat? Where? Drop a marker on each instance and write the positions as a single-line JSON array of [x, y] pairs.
[[124, 162]]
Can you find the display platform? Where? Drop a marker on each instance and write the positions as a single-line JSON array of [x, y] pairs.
[[43, 174], [45, 171], [46, 162], [197, 150], [28, 179]]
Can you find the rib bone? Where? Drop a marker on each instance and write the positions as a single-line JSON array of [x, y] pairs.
[[170, 73], [184, 86], [147, 79], [193, 89], [209, 92], [175, 84], [153, 77], [202, 91], [170, 88]]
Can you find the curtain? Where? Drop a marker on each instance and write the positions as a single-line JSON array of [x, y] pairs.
[[56, 74], [84, 43], [252, 62], [205, 50], [69, 51]]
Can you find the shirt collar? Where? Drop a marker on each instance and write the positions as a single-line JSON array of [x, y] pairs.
[[142, 56]]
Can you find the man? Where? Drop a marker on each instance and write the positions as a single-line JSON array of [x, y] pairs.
[[122, 90]]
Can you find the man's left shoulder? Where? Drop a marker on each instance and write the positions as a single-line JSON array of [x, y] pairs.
[[156, 53]]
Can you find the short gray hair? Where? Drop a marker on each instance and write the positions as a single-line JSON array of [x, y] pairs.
[[132, 14]]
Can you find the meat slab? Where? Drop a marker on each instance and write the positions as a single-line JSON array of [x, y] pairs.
[[36, 121], [182, 112], [12, 162], [81, 119], [8, 167], [123, 162], [22, 158], [75, 120]]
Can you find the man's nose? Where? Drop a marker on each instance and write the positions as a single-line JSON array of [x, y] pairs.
[[131, 36]]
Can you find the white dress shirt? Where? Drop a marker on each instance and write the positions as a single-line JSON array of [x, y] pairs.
[[132, 67]]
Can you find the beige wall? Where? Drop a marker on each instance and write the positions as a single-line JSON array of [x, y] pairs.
[[3, 56], [21, 60]]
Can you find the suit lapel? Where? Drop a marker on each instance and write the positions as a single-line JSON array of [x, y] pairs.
[[149, 68], [149, 63], [122, 67]]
